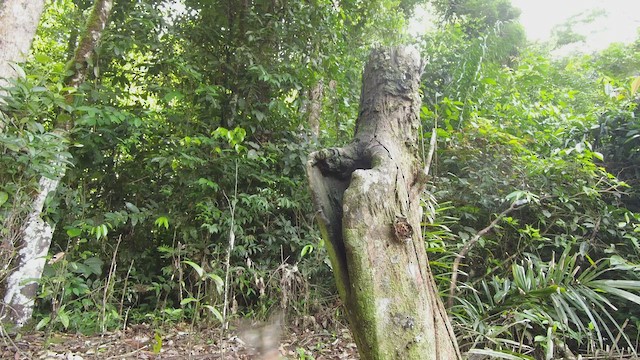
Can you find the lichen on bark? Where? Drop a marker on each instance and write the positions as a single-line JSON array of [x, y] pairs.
[[20, 286], [359, 191]]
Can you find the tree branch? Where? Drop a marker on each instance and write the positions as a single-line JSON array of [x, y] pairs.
[[467, 247]]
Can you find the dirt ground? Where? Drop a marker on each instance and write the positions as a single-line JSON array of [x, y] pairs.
[[252, 341]]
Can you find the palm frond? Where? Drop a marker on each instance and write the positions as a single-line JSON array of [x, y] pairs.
[[545, 302]]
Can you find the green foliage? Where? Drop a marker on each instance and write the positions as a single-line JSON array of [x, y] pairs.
[[303, 355], [528, 131], [491, 24], [179, 100], [565, 34], [544, 303], [617, 133], [29, 148], [176, 100], [486, 12], [72, 295]]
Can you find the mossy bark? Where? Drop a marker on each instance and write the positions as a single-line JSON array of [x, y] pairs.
[[360, 191]]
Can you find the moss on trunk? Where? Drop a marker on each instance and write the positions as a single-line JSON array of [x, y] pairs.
[[367, 196]]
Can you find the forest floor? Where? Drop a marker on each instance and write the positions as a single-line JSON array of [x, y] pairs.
[[252, 341], [257, 341]]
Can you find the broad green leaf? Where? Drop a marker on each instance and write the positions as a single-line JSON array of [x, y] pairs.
[[622, 293], [259, 115], [94, 264], [635, 85], [550, 352], [73, 232], [598, 156], [208, 183], [218, 281], [187, 301], [132, 207], [620, 284], [307, 249], [100, 231], [157, 344], [173, 95], [196, 267], [489, 81], [3, 197], [252, 154], [42, 323], [215, 312], [19, 70], [221, 132], [42, 58], [64, 317]]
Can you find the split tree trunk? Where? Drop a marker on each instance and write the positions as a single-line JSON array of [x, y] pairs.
[[367, 196], [21, 285]]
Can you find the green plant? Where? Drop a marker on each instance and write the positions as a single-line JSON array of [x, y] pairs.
[[72, 289], [29, 148], [570, 300], [199, 299], [303, 355]]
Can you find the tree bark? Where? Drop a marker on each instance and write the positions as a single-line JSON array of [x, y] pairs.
[[315, 108], [367, 197], [18, 24], [21, 285]]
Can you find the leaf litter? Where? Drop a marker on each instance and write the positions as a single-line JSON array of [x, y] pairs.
[[146, 342]]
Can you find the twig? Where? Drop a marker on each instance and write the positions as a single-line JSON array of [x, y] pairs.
[[620, 333], [465, 249], [124, 292], [131, 353], [432, 150], [596, 227], [107, 286], [232, 240], [7, 337]]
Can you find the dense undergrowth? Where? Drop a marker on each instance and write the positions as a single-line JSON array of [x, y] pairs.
[[193, 132]]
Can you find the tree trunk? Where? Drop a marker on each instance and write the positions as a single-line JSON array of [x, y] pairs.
[[315, 108], [367, 196], [18, 24], [21, 285]]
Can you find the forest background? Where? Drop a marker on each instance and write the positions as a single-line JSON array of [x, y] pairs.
[[193, 126]]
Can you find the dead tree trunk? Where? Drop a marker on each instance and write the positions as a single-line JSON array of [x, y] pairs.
[[367, 196]]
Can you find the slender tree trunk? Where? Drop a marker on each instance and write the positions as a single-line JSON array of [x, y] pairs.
[[367, 195], [315, 108], [21, 285]]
